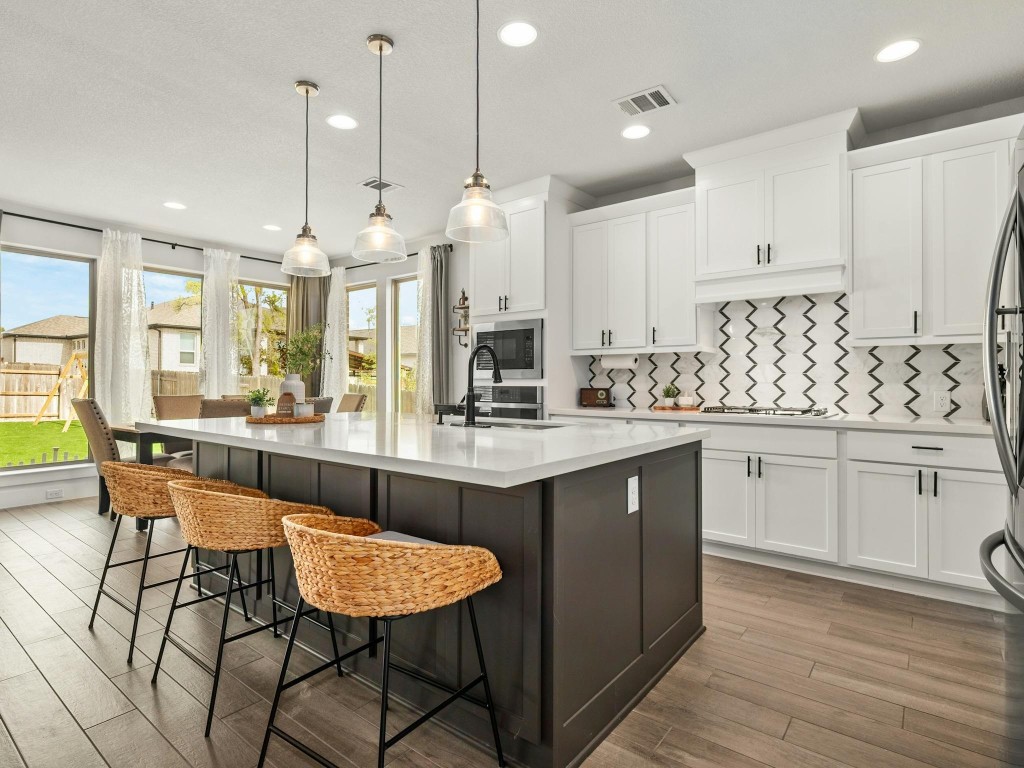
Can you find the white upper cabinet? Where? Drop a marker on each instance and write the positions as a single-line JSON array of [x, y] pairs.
[[670, 248], [590, 285], [887, 243], [508, 276], [627, 282], [732, 224], [802, 207], [967, 190]]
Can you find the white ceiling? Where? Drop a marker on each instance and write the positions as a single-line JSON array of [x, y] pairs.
[[109, 108]]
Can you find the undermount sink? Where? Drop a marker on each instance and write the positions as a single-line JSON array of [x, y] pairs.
[[538, 425]]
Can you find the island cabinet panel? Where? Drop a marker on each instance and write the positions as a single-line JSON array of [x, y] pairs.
[[240, 465]]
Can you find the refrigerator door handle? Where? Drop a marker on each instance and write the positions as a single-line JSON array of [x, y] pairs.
[[1009, 592], [990, 348]]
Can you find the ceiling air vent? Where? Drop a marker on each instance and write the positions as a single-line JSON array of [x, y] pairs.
[[383, 185], [646, 100]]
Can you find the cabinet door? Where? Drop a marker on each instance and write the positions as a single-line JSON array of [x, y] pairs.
[[526, 256], [670, 247], [802, 212], [797, 504], [490, 283], [730, 226], [886, 518], [965, 196], [727, 497], [590, 285], [963, 508], [887, 254], [627, 282]]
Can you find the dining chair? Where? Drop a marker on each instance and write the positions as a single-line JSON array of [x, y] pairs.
[[177, 407], [321, 404], [351, 403], [221, 409]]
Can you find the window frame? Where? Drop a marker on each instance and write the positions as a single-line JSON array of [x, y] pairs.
[[395, 385]]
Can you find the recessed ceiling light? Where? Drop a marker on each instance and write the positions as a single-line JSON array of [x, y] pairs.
[[344, 122], [635, 131], [272, 227], [175, 206], [898, 50], [517, 34]]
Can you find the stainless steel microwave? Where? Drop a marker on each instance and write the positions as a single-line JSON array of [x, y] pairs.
[[519, 345]]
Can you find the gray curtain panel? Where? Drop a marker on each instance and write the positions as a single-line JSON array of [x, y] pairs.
[[442, 326], [307, 305]]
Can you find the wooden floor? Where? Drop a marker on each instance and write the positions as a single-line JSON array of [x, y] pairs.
[[794, 671]]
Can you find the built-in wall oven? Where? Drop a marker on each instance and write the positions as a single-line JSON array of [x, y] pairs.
[[519, 345], [499, 401]]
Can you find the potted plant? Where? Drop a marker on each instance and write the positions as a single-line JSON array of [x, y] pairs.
[[670, 392], [300, 357], [259, 401]]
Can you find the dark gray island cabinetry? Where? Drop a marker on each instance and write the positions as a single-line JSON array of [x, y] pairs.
[[596, 602]]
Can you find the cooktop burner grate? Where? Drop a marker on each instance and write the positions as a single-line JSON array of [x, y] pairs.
[[764, 410]]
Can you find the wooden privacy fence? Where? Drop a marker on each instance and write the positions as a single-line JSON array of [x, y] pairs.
[[24, 387]]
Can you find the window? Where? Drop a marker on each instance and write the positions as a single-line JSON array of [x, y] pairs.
[[262, 334], [187, 349], [45, 307], [175, 323], [362, 342], [405, 327]]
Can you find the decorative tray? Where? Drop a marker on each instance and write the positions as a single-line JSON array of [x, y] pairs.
[[316, 418], [683, 408]]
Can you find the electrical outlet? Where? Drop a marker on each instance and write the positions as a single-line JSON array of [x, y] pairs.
[[633, 495], [54, 493], [941, 402]]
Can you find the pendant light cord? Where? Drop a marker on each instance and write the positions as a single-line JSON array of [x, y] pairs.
[[307, 156], [478, 86], [380, 125]]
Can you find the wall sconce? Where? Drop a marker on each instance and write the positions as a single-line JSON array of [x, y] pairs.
[[462, 311]]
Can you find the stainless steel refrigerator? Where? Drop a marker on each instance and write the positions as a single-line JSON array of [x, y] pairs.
[[1002, 553]]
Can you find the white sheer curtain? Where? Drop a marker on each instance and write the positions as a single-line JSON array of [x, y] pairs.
[[335, 367], [423, 399], [120, 372], [219, 373]]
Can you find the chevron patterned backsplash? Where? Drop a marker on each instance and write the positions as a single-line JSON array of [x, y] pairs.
[[791, 352]]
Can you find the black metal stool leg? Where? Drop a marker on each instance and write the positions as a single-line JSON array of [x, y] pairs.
[[486, 681], [232, 571], [273, 591], [170, 614], [142, 586], [334, 642], [281, 680], [195, 570], [241, 592], [106, 567], [385, 669]]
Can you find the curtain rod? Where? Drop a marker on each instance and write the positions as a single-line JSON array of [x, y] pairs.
[[163, 242], [146, 239]]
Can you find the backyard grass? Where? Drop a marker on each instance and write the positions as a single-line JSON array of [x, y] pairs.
[[21, 442]]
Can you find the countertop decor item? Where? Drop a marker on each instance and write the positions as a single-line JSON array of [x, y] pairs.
[[259, 401], [477, 219], [273, 418], [679, 408], [461, 331], [305, 259], [380, 243], [669, 392], [303, 409], [596, 397]]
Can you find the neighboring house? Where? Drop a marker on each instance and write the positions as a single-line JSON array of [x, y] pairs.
[[50, 341], [363, 341], [174, 336]]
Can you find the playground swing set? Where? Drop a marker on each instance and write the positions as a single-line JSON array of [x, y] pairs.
[[75, 363]]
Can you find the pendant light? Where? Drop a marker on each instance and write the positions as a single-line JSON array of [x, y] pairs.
[[379, 242], [305, 259], [477, 219]]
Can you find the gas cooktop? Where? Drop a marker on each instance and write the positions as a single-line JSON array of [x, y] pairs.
[[764, 410]]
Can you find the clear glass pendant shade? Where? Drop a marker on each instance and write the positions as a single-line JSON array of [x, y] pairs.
[[379, 243], [305, 259], [477, 219]]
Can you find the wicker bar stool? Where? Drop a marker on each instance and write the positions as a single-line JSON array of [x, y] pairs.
[[138, 491], [387, 576], [236, 521]]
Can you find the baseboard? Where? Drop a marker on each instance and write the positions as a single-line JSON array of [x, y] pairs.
[[22, 488], [947, 592]]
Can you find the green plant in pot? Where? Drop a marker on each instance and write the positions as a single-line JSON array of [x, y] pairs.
[[301, 356], [259, 401], [669, 392]]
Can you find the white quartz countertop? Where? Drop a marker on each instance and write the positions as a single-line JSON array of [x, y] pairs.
[[498, 457], [839, 421]]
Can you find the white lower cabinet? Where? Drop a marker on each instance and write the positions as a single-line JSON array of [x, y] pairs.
[[779, 503], [963, 508]]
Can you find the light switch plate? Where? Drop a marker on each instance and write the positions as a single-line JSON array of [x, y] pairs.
[[633, 495]]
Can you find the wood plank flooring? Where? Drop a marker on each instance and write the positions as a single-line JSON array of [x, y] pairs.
[[794, 671]]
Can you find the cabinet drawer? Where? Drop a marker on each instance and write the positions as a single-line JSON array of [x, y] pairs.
[[785, 441], [931, 450]]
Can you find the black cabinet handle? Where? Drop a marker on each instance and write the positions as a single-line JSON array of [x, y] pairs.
[[935, 488], [506, 303], [654, 335], [602, 338], [925, 448], [769, 253], [748, 466], [609, 337], [759, 253], [759, 466], [499, 303], [915, 321], [920, 482]]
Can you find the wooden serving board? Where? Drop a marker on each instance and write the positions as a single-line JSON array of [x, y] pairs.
[[316, 418], [683, 408]]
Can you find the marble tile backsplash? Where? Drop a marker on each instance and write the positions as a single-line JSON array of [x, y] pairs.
[[791, 352]]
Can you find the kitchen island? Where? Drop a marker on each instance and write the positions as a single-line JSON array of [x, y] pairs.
[[596, 527]]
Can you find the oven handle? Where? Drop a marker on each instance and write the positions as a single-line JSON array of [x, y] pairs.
[[527, 406], [1009, 592]]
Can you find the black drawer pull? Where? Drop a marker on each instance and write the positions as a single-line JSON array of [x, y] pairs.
[[925, 448], [769, 253], [915, 321], [920, 482], [935, 488]]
